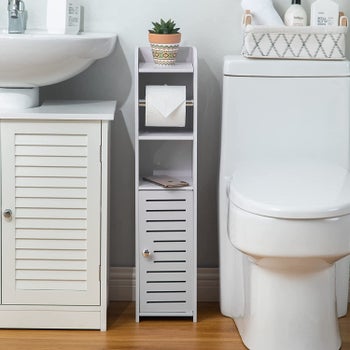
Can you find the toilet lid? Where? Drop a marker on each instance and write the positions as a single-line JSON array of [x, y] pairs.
[[295, 191]]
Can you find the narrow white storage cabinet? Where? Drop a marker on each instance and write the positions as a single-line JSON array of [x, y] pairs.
[[54, 232], [166, 219]]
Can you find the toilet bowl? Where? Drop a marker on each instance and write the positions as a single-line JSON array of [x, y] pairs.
[[292, 221], [284, 202]]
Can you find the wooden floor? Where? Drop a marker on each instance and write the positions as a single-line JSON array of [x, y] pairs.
[[212, 332]]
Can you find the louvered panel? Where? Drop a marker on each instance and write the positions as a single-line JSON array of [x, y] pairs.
[[50, 234], [169, 297], [167, 280], [50, 140], [62, 265], [152, 226], [158, 205], [168, 245], [51, 161], [50, 244], [166, 230], [60, 224], [169, 255], [43, 182], [154, 275], [56, 219], [64, 193], [53, 151], [43, 213], [67, 203], [166, 215], [40, 275], [55, 235], [47, 286], [71, 172], [37, 254], [168, 235]]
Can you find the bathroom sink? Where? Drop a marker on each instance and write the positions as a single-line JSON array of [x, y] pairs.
[[37, 59]]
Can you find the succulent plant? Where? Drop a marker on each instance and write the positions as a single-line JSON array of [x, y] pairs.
[[163, 27]]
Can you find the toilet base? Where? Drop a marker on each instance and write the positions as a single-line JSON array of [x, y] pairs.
[[289, 304]]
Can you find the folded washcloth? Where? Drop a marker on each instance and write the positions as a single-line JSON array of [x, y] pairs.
[[263, 12]]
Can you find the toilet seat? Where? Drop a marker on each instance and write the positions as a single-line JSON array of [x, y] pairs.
[[291, 191]]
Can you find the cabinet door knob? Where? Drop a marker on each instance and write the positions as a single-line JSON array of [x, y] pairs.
[[146, 253], [7, 214]]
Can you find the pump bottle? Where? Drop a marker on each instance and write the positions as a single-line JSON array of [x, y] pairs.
[[295, 15]]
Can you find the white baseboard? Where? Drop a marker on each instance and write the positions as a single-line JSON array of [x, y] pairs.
[[122, 284]]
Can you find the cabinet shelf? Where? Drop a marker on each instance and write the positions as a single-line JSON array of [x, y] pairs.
[[154, 135], [150, 67], [149, 186], [189, 103]]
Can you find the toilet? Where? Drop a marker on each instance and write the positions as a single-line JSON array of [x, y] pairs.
[[284, 201]]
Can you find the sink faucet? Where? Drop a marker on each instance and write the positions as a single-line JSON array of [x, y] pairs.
[[16, 16]]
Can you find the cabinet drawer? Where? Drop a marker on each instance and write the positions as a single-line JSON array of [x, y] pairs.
[[166, 232]]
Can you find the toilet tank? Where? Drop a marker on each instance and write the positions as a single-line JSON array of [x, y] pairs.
[[286, 110]]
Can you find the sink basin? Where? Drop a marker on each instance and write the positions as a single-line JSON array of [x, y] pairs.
[[37, 58]]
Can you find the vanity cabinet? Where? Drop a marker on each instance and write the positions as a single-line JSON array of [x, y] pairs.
[[54, 231], [166, 218]]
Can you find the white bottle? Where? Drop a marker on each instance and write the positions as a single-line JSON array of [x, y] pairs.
[[324, 13], [63, 17], [295, 15]]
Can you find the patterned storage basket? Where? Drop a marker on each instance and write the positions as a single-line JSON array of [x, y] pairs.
[[315, 43]]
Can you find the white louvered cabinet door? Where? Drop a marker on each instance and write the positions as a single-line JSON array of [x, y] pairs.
[[51, 183], [166, 252]]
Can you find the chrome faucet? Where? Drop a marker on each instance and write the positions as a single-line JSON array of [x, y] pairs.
[[16, 16]]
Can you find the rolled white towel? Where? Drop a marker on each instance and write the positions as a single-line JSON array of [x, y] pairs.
[[263, 12]]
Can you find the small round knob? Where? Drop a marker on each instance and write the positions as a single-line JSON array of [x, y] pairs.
[[7, 214], [146, 253]]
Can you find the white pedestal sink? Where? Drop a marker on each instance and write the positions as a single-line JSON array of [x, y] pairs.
[[35, 59]]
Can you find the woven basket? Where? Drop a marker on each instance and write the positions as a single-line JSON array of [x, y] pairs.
[[314, 43]]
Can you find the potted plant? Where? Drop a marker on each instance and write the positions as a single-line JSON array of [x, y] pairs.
[[164, 39]]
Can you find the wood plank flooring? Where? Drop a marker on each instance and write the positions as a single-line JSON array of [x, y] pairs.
[[212, 332]]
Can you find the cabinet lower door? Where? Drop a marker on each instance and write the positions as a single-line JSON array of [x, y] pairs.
[[166, 252], [51, 212]]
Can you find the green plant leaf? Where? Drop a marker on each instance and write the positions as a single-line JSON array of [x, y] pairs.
[[164, 27]]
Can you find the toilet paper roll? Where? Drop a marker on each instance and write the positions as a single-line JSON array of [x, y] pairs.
[[165, 106]]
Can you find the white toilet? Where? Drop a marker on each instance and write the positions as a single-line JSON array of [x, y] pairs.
[[284, 201]]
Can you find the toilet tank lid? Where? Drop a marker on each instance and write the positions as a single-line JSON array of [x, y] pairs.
[[241, 66], [292, 190]]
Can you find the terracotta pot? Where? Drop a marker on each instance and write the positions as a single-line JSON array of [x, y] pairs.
[[164, 47]]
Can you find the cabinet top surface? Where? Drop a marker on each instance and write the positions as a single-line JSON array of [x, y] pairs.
[[65, 110], [185, 59]]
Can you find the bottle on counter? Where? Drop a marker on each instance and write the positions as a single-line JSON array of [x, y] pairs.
[[324, 13], [295, 15]]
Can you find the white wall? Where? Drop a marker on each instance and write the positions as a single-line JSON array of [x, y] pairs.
[[213, 26]]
